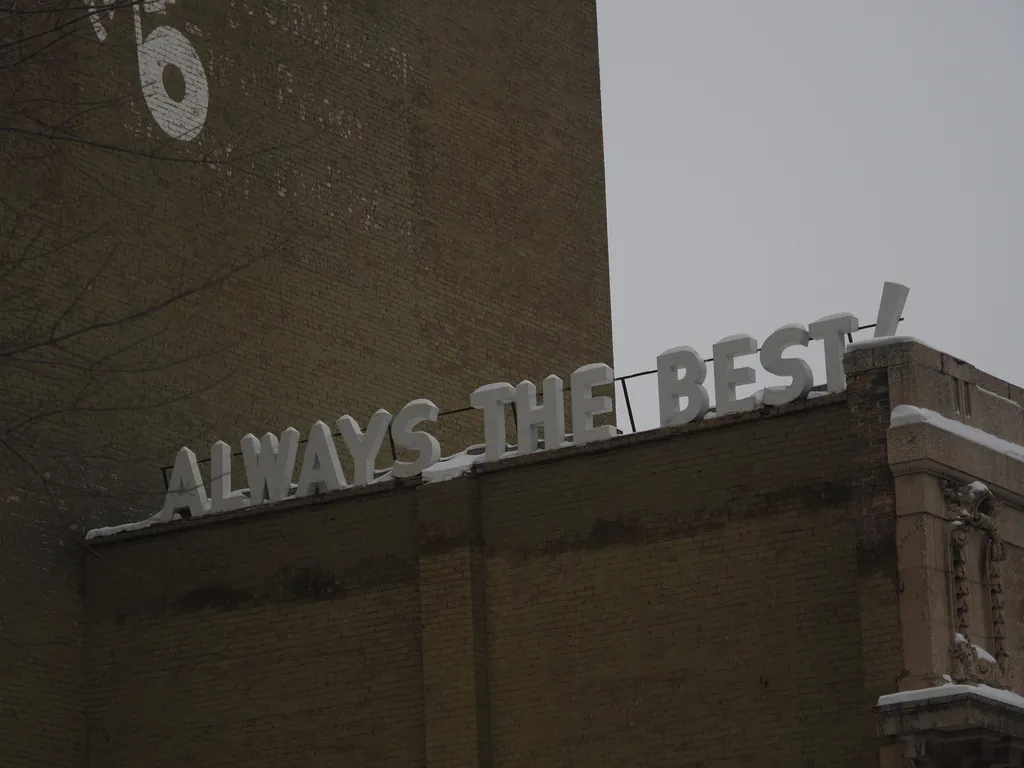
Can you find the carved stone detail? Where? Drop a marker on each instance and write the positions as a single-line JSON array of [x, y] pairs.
[[972, 507]]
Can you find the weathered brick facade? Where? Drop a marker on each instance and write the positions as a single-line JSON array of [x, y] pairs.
[[423, 182], [728, 593], [667, 599]]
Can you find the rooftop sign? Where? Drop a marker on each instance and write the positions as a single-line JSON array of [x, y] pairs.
[[270, 461]]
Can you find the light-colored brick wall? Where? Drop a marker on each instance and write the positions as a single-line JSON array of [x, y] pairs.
[[717, 594]]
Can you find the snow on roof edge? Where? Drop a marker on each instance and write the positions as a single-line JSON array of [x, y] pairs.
[[912, 414], [885, 341], [952, 689], [113, 530], [448, 468]]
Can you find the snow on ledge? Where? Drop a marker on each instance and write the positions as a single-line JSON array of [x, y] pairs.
[[448, 468], [888, 341], [885, 341], [997, 396], [454, 466], [112, 530], [952, 689], [912, 414]]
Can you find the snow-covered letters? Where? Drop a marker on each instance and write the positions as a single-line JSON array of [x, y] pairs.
[[681, 373]]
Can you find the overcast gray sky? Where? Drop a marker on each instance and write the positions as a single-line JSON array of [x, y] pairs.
[[773, 162]]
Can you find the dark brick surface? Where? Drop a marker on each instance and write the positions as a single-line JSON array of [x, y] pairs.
[[425, 181], [696, 596]]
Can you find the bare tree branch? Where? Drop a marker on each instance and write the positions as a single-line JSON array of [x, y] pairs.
[[55, 339], [69, 350]]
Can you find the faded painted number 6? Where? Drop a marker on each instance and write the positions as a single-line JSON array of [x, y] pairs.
[[163, 49]]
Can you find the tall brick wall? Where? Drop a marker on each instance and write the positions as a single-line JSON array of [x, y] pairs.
[[42, 721], [424, 184], [879, 586], [706, 595]]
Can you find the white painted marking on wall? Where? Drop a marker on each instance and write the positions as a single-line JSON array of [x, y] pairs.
[[95, 12], [165, 47]]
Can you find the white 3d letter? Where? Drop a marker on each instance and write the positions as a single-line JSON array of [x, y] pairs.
[[426, 444], [890, 309], [186, 489], [269, 468], [728, 377], [320, 465], [691, 386], [364, 447], [798, 370], [585, 406], [492, 399], [832, 330], [550, 415], [222, 498]]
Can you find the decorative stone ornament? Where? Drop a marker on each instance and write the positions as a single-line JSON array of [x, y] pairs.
[[972, 507]]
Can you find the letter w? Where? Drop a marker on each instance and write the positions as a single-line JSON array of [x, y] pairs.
[[269, 467]]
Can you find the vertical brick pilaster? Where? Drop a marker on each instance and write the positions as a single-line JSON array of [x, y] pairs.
[[453, 626], [874, 506]]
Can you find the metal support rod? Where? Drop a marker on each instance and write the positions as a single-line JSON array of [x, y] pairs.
[[629, 406], [391, 439]]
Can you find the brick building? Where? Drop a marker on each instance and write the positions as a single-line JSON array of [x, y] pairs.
[[413, 192], [420, 184], [781, 587], [423, 182]]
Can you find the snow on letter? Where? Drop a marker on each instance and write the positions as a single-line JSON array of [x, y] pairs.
[[223, 499], [728, 376], [185, 489], [268, 467], [492, 399], [424, 443], [671, 388], [320, 466], [364, 447], [531, 417], [798, 370], [585, 406], [890, 309], [833, 331]]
